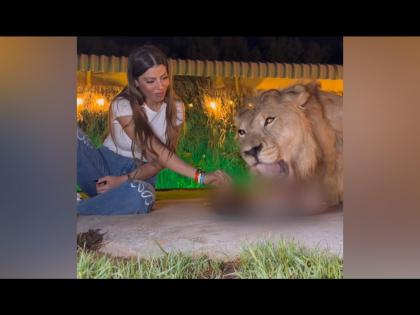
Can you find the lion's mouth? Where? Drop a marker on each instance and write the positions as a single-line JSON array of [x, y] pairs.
[[273, 169]]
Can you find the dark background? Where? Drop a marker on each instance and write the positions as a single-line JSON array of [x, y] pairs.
[[328, 50]]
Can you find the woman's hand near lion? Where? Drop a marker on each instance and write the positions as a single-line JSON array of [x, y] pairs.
[[217, 178]]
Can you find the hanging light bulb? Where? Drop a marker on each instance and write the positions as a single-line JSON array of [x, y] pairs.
[[100, 101]]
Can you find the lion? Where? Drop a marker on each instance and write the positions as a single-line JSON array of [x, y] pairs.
[[296, 134]]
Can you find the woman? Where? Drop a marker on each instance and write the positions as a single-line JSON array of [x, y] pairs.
[[144, 127]]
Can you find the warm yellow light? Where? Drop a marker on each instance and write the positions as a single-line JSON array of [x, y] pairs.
[[213, 105], [250, 105], [79, 101], [100, 101], [190, 105], [231, 102]]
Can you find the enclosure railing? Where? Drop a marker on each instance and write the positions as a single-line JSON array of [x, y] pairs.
[[210, 68]]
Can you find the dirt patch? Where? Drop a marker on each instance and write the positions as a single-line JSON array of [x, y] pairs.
[[229, 269], [91, 240]]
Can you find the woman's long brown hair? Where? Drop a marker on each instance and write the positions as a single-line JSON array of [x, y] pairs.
[[139, 61]]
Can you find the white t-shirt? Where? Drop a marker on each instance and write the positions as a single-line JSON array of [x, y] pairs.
[[157, 121]]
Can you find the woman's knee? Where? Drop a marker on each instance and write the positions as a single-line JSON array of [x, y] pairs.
[[144, 195]]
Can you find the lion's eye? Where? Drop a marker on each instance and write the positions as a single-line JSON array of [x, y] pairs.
[[269, 120], [241, 132]]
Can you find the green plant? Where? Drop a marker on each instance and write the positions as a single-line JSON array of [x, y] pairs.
[[208, 138]]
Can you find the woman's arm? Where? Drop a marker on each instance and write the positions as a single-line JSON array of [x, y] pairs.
[[163, 157], [146, 171], [143, 172]]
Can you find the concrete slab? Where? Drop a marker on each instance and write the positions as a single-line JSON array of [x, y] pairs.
[[191, 227]]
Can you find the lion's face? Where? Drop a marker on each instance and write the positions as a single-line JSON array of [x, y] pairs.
[[272, 134]]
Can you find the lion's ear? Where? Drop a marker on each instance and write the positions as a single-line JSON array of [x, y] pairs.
[[299, 94], [272, 93], [302, 99], [313, 87]]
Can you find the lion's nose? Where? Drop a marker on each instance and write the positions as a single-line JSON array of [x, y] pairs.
[[254, 151]]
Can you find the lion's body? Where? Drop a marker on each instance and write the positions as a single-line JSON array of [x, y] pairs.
[[298, 133]]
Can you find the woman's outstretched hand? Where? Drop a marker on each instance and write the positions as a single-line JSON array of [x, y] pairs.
[[217, 178]]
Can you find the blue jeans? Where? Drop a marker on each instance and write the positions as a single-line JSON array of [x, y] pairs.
[[131, 197]]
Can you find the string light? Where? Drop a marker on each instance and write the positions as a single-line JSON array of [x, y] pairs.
[[100, 101]]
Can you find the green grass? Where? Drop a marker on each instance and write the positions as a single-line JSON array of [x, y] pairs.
[[288, 260], [172, 266], [266, 260]]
